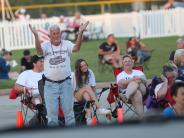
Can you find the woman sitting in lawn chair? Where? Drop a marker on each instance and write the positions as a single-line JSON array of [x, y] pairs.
[[133, 85], [84, 88], [27, 84]]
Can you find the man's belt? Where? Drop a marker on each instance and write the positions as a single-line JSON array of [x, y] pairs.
[[59, 81]]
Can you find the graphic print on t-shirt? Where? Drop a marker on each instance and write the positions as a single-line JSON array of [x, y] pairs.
[[57, 60]]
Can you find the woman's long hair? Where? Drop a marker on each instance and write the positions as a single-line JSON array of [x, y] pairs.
[[79, 74], [137, 43], [128, 43]]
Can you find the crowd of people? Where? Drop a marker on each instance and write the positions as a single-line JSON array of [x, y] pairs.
[[110, 52], [52, 65]]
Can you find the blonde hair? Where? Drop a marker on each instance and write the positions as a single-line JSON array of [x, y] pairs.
[[179, 54]]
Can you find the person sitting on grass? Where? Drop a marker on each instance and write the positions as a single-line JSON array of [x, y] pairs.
[[177, 93], [109, 51], [132, 83], [138, 49], [84, 84]]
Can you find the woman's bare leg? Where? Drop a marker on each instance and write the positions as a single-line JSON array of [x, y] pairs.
[[92, 94], [79, 94]]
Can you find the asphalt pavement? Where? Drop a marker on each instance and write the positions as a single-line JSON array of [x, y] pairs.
[[9, 108]]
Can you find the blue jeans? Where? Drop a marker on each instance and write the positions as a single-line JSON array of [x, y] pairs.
[[51, 93], [144, 56]]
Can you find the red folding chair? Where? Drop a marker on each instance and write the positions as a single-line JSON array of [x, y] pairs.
[[114, 97], [26, 106]]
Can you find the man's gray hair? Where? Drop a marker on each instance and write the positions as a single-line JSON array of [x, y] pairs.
[[54, 27]]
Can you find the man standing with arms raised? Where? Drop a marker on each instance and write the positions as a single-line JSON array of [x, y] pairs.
[[57, 70]]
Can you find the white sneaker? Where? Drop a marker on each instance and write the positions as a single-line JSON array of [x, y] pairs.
[[103, 111], [88, 121]]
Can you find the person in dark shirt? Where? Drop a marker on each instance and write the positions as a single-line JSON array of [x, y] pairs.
[[4, 65], [109, 51], [180, 45], [26, 63]]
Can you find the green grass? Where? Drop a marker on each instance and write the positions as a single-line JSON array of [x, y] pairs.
[[4, 84], [162, 47]]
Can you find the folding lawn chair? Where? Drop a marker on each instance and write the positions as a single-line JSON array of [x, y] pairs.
[[39, 117], [114, 96]]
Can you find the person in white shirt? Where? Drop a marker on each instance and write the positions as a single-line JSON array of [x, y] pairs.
[[57, 71], [27, 82], [132, 82], [84, 83]]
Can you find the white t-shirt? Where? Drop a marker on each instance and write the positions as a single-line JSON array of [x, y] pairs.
[[90, 82], [30, 79], [57, 60], [124, 75]]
